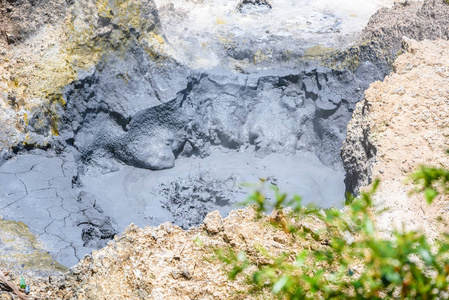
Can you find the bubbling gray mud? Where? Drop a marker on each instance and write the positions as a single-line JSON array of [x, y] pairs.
[[147, 142], [178, 160], [72, 214], [185, 194], [284, 112], [172, 144], [137, 152], [222, 129]]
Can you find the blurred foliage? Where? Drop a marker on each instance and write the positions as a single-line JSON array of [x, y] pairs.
[[353, 260], [431, 181]]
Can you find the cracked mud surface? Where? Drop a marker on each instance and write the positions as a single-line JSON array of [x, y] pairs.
[[37, 190]]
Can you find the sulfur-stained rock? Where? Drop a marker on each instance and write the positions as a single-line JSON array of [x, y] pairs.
[[22, 252]]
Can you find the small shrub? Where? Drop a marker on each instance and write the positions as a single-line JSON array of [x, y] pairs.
[[355, 262], [431, 181]]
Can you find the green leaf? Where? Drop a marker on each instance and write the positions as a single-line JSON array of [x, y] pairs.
[[425, 255], [257, 276], [430, 194], [349, 198], [234, 272], [369, 227], [241, 257], [301, 258], [441, 281], [279, 285]]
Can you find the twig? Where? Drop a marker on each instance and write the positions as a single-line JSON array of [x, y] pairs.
[[182, 250], [12, 287]]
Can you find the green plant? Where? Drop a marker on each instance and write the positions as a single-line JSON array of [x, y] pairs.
[[353, 260], [431, 181]]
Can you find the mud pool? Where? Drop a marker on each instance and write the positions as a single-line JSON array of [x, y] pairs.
[[147, 138]]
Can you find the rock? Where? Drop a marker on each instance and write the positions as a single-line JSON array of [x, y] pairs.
[[391, 134], [5, 296], [175, 266], [280, 237], [396, 23], [213, 222], [358, 151]]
